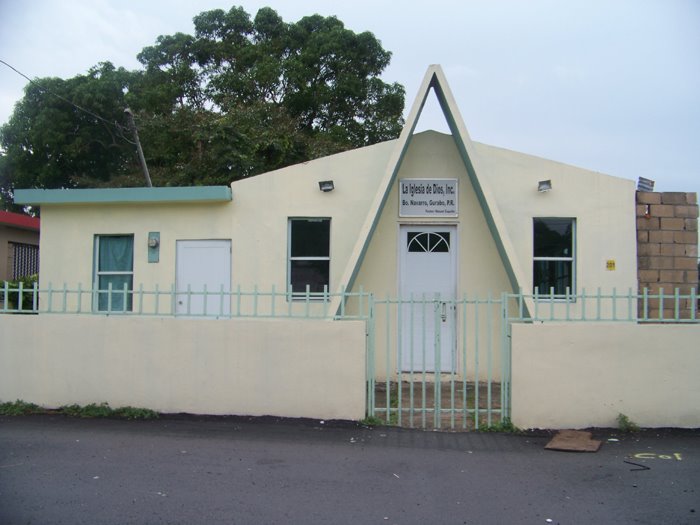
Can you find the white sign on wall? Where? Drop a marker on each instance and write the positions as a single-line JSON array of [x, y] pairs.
[[428, 197]]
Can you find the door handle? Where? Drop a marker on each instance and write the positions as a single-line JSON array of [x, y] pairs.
[[444, 312]]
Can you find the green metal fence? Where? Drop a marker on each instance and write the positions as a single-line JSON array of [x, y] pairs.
[[674, 307], [192, 303], [644, 307]]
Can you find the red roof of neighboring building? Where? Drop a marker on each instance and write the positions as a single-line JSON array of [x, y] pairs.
[[19, 220]]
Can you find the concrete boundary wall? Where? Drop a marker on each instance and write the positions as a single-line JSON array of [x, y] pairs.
[[279, 367], [568, 375]]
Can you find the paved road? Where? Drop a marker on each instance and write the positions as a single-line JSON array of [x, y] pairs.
[[57, 470]]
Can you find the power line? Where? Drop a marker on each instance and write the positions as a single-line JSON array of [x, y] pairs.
[[119, 128]]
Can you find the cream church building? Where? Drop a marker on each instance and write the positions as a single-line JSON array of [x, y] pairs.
[[425, 213]]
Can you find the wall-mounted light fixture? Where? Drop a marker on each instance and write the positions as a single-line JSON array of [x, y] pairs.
[[326, 185], [645, 184], [544, 185]]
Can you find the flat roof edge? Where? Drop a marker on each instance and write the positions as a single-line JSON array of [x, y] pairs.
[[184, 194]]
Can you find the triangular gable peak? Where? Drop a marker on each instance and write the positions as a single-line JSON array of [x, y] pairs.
[[435, 79]]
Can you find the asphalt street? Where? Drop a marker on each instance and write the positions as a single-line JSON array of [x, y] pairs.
[[187, 470]]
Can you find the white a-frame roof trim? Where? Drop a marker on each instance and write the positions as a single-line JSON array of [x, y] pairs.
[[435, 78]]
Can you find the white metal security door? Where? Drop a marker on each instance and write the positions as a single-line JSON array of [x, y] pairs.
[[428, 276], [201, 264]]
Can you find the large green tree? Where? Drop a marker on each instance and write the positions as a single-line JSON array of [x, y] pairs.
[[239, 97], [48, 141]]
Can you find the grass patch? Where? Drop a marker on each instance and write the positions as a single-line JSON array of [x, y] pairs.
[[372, 421], [506, 425], [93, 410], [626, 425], [19, 408], [135, 413]]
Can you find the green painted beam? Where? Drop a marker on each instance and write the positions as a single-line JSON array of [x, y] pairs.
[[486, 210], [385, 196], [184, 194]]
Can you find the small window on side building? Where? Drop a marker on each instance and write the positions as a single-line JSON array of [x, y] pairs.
[[309, 255], [553, 255], [114, 266]]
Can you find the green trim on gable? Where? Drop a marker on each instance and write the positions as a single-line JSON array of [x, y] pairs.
[[406, 137], [183, 194], [434, 78], [476, 184], [377, 216]]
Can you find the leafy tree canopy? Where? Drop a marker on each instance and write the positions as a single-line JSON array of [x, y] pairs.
[[239, 97]]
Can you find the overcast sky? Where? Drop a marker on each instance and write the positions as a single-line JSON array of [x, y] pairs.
[[608, 85]]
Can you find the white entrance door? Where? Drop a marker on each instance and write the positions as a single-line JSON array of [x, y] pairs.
[[199, 264], [428, 274]]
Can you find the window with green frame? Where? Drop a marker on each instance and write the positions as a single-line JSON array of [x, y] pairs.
[[114, 272], [309, 255], [553, 255]]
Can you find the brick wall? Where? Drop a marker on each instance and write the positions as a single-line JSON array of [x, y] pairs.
[[667, 247]]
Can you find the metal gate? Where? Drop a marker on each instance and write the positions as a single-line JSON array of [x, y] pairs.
[[421, 377]]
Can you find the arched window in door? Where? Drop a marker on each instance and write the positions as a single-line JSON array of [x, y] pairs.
[[428, 242]]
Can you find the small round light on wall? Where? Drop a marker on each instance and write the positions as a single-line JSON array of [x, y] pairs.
[[326, 185], [544, 185]]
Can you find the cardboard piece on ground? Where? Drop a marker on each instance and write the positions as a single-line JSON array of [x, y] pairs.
[[573, 441]]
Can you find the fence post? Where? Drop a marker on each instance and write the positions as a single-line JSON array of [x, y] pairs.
[[19, 296], [437, 355], [489, 357], [477, 302], [5, 295], [506, 355], [370, 353]]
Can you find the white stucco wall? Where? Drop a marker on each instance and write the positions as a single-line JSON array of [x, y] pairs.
[[68, 233], [603, 206], [568, 375], [276, 367], [263, 204]]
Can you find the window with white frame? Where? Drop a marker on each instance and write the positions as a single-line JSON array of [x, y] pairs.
[[114, 272], [553, 255], [309, 254]]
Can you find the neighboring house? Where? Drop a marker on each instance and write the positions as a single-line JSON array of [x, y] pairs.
[[425, 213], [19, 245]]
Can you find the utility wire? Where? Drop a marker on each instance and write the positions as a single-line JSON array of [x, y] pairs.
[[120, 129]]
